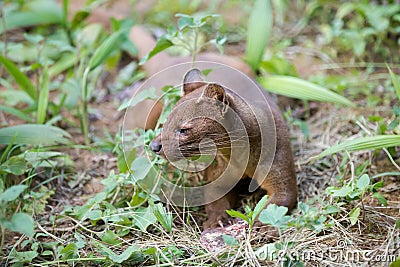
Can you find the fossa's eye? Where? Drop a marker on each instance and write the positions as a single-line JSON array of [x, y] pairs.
[[183, 130]]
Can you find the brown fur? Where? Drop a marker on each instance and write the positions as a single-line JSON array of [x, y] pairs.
[[280, 182], [182, 134]]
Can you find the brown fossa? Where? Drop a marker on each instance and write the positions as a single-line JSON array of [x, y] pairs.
[[201, 114]]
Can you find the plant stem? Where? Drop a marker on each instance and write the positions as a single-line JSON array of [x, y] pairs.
[[194, 52], [84, 109], [3, 231]]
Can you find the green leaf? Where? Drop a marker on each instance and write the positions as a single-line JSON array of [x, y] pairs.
[[21, 223], [140, 167], [111, 238], [230, 240], [65, 62], [43, 96], [23, 256], [301, 89], [382, 200], [34, 134], [12, 192], [162, 44], [259, 207], [15, 165], [94, 215], [149, 93], [128, 253], [363, 182], [185, 21], [34, 13], [258, 32], [363, 143], [22, 80], [70, 251], [275, 215], [106, 48], [237, 214], [354, 214], [143, 218], [163, 217], [395, 81], [331, 209], [396, 263], [341, 192], [16, 112]]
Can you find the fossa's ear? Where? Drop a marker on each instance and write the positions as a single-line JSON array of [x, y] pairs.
[[215, 91], [193, 80]]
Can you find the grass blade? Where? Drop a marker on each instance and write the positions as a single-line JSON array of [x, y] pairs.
[[105, 49], [258, 32], [65, 62], [395, 81], [33, 134], [21, 79], [16, 112], [363, 143], [301, 89], [43, 97], [34, 13]]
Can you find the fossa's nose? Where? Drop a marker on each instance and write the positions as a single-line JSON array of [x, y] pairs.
[[155, 146]]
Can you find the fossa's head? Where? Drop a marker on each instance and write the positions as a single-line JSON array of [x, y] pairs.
[[195, 126]]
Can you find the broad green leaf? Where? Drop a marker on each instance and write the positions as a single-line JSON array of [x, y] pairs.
[[24, 256], [341, 192], [149, 93], [36, 12], [16, 112], [140, 167], [21, 79], [229, 240], [275, 215], [162, 44], [111, 238], [106, 48], [15, 165], [185, 21], [363, 182], [94, 215], [70, 251], [259, 207], [363, 143], [143, 218], [12, 192], [331, 209], [43, 96], [21, 223], [301, 89], [132, 253], [34, 134], [354, 214], [395, 81], [258, 32]]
